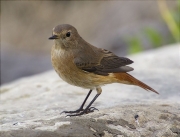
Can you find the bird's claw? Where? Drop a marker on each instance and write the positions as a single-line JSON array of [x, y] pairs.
[[84, 111], [76, 111], [93, 108]]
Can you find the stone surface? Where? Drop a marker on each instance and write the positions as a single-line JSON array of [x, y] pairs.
[[31, 106]]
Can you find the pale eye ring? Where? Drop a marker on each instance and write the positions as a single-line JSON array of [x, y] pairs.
[[68, 34]]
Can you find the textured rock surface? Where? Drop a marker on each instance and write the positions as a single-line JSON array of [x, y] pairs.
[[31, 106]]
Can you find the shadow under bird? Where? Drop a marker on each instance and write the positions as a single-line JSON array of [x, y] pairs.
[[81, 64]]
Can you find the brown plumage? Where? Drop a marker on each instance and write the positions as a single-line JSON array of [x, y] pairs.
[[133, 81], [81, 64]]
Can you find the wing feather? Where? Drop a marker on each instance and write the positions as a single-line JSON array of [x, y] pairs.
[[104, 62]]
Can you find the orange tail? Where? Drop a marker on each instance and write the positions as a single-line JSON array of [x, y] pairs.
[[128, 79]]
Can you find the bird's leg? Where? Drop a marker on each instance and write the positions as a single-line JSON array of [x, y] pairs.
[[81, 107], [88, 109]]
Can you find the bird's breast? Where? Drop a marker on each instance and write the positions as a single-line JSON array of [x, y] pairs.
[[62, 62]]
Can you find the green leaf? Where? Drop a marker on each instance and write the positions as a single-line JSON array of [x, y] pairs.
[[154, 37], [134, 45]]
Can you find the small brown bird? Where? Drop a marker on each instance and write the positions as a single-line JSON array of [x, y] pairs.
[[81, 64]]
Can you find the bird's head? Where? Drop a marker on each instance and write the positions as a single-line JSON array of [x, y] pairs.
[[65, 36]]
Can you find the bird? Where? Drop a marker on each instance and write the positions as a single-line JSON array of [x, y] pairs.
[[81, 64]]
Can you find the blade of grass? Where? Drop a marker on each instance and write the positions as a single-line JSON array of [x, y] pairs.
[[167, 16], [153, 36]]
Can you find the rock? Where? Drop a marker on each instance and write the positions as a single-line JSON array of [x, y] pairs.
[[16, 63], [31, 106]]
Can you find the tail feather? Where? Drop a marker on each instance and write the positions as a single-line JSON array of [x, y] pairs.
[[128, 79]]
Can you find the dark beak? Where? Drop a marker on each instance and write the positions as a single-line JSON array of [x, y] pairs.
[[53, 37]]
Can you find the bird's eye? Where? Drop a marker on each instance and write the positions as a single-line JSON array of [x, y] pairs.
[[68, 34]]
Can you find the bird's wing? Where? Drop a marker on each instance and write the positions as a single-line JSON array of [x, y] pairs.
[[103, 62]]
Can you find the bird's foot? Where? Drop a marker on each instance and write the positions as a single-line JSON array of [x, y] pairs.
[[85, 111], [92, 109], [76, 111]]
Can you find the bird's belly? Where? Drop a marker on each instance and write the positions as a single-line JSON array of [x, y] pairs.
[[77, 77]]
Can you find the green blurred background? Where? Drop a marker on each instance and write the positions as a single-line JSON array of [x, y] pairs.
[[124, 27]]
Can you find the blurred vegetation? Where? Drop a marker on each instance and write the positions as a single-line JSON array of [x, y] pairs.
[[154, 37], [172, 20], [135, 45]]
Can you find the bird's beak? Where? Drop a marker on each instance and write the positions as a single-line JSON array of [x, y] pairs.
[[53, 37]]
